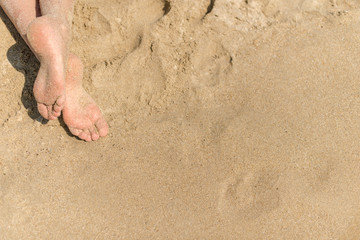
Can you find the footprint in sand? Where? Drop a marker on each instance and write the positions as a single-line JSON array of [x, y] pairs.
[[142, 82], [248, 196], [209, 62], [113, 29], [248, 144]]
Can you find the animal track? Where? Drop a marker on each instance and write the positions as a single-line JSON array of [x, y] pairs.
[[249, 195]]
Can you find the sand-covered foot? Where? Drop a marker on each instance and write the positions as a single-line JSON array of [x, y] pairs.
[[81, 114], [48, 39]]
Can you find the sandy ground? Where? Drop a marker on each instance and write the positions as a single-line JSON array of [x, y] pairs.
[[229, 119]]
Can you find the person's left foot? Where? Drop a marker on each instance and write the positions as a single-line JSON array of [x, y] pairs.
[[81, 114]]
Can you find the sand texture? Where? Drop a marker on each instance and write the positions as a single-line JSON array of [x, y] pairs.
[[229, 119]]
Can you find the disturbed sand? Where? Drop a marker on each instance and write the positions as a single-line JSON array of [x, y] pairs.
[[229, 119]]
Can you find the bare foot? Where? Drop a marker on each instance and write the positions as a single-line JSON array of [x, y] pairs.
[[81, 114], [48, 39]]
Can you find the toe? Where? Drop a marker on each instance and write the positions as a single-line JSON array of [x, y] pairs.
[[75, 131], [60, 101], [102, 127], [85, 136], [51, 114], [82, 135], [88, 135], [88, 138], [59, 105], [52, 117], [94, 134], [43, 110], [57, 108], [56, 114]]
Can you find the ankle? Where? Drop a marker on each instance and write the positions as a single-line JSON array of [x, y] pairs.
[[75, 70]]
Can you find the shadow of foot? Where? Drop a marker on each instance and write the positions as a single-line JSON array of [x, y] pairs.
[[24, 61]]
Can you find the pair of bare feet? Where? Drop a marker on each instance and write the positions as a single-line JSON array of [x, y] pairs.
[[45, 25], [58, 86]]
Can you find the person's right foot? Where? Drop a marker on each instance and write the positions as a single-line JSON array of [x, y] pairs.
[[48, 39], [81, 114]]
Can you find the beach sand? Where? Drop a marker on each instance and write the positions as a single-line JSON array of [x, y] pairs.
[[229, 119]]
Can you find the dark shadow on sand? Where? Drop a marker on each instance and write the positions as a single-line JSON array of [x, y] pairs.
[[24, 61]]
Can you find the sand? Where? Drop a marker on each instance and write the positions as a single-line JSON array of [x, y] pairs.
[[229, 119]]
